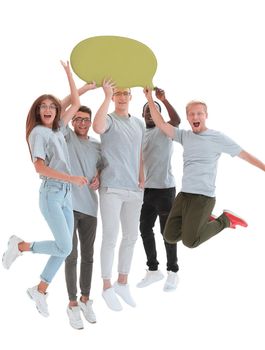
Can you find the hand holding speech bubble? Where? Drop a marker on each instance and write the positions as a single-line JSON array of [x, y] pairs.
[[128, 62]]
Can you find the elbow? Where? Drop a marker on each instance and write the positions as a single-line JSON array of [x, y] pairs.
[[77, 105], [38, 168], [98, 129]]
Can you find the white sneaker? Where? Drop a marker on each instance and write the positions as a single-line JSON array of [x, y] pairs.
[[40, 300], [87, 310], [171, 281], [150, 277], [123, 291], [75, 317], [12, 251], [111, 299]]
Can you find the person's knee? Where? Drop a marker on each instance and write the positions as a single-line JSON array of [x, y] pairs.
[[66, 248], [191, 242]]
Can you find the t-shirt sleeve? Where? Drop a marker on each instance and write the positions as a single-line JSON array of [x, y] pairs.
[[109, 123], [229, 146], [37, 145], [65, 130], [178, 137]]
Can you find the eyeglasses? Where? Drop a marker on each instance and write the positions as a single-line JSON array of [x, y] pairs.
[[51, 107], [80, 120], [120, 93]]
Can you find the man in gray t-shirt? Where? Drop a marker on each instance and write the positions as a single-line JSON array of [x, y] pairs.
[[190, 218], [159, 194], [85, 158], [121, 189]]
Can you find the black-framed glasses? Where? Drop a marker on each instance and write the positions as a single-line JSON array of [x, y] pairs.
[[80, 120]]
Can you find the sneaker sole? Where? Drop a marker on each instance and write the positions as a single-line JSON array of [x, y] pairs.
[[3, 257], [148, 284], [90, 321], [94, 320], [74, 326]]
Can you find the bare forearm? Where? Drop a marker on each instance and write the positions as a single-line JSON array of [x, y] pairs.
[[173, 115], [252, 160], [74, 95], [100, 123], [83, 89], [159, 121], [46, 171]]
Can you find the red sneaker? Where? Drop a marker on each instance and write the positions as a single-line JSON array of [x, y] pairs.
[[212, 217], [234, 219]]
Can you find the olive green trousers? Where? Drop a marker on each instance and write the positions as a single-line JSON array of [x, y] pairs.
[[189, 221]]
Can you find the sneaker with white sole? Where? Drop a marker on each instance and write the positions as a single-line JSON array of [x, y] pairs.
[[12, 251], [171, 282], [39, 299], [88, 311], [150, 277], [123, 290], [111, 299], [234, 219], [75, 320]]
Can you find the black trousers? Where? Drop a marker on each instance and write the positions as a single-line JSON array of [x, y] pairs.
[[157, 203]]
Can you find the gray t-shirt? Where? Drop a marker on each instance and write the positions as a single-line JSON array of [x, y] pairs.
[[51, 147], [121, 146], [85, 158], [200, 156], [157, 153]]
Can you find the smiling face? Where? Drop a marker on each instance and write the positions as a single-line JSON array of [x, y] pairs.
[[121, 99], [48, 110], [197, 115], [81, 123]]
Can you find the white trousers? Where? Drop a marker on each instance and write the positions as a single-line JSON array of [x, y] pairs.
[[118, 206]]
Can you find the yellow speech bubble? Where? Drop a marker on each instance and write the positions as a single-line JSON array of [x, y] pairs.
[[126, 61]]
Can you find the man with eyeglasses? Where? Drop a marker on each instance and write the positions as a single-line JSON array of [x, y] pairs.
[[85, 159], [159, 194], [121, 189]]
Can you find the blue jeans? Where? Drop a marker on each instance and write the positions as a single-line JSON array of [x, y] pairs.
[[56, 206]]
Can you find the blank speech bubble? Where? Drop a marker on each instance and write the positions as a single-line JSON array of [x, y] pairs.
[[126, 61]]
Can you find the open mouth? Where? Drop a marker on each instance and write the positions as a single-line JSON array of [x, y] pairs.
[[196, 124]]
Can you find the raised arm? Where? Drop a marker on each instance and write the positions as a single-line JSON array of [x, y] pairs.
[[67, 100], [74, 96], [252, 160], [167, 128], [173, 115], [100, 124]]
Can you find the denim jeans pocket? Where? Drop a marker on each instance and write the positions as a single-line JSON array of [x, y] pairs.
[[51, 187], [54, 188]]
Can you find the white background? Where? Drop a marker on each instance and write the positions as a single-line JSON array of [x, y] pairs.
[[212, 50]]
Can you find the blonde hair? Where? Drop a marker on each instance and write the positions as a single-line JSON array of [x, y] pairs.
[[196, 102], [121, 88]]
